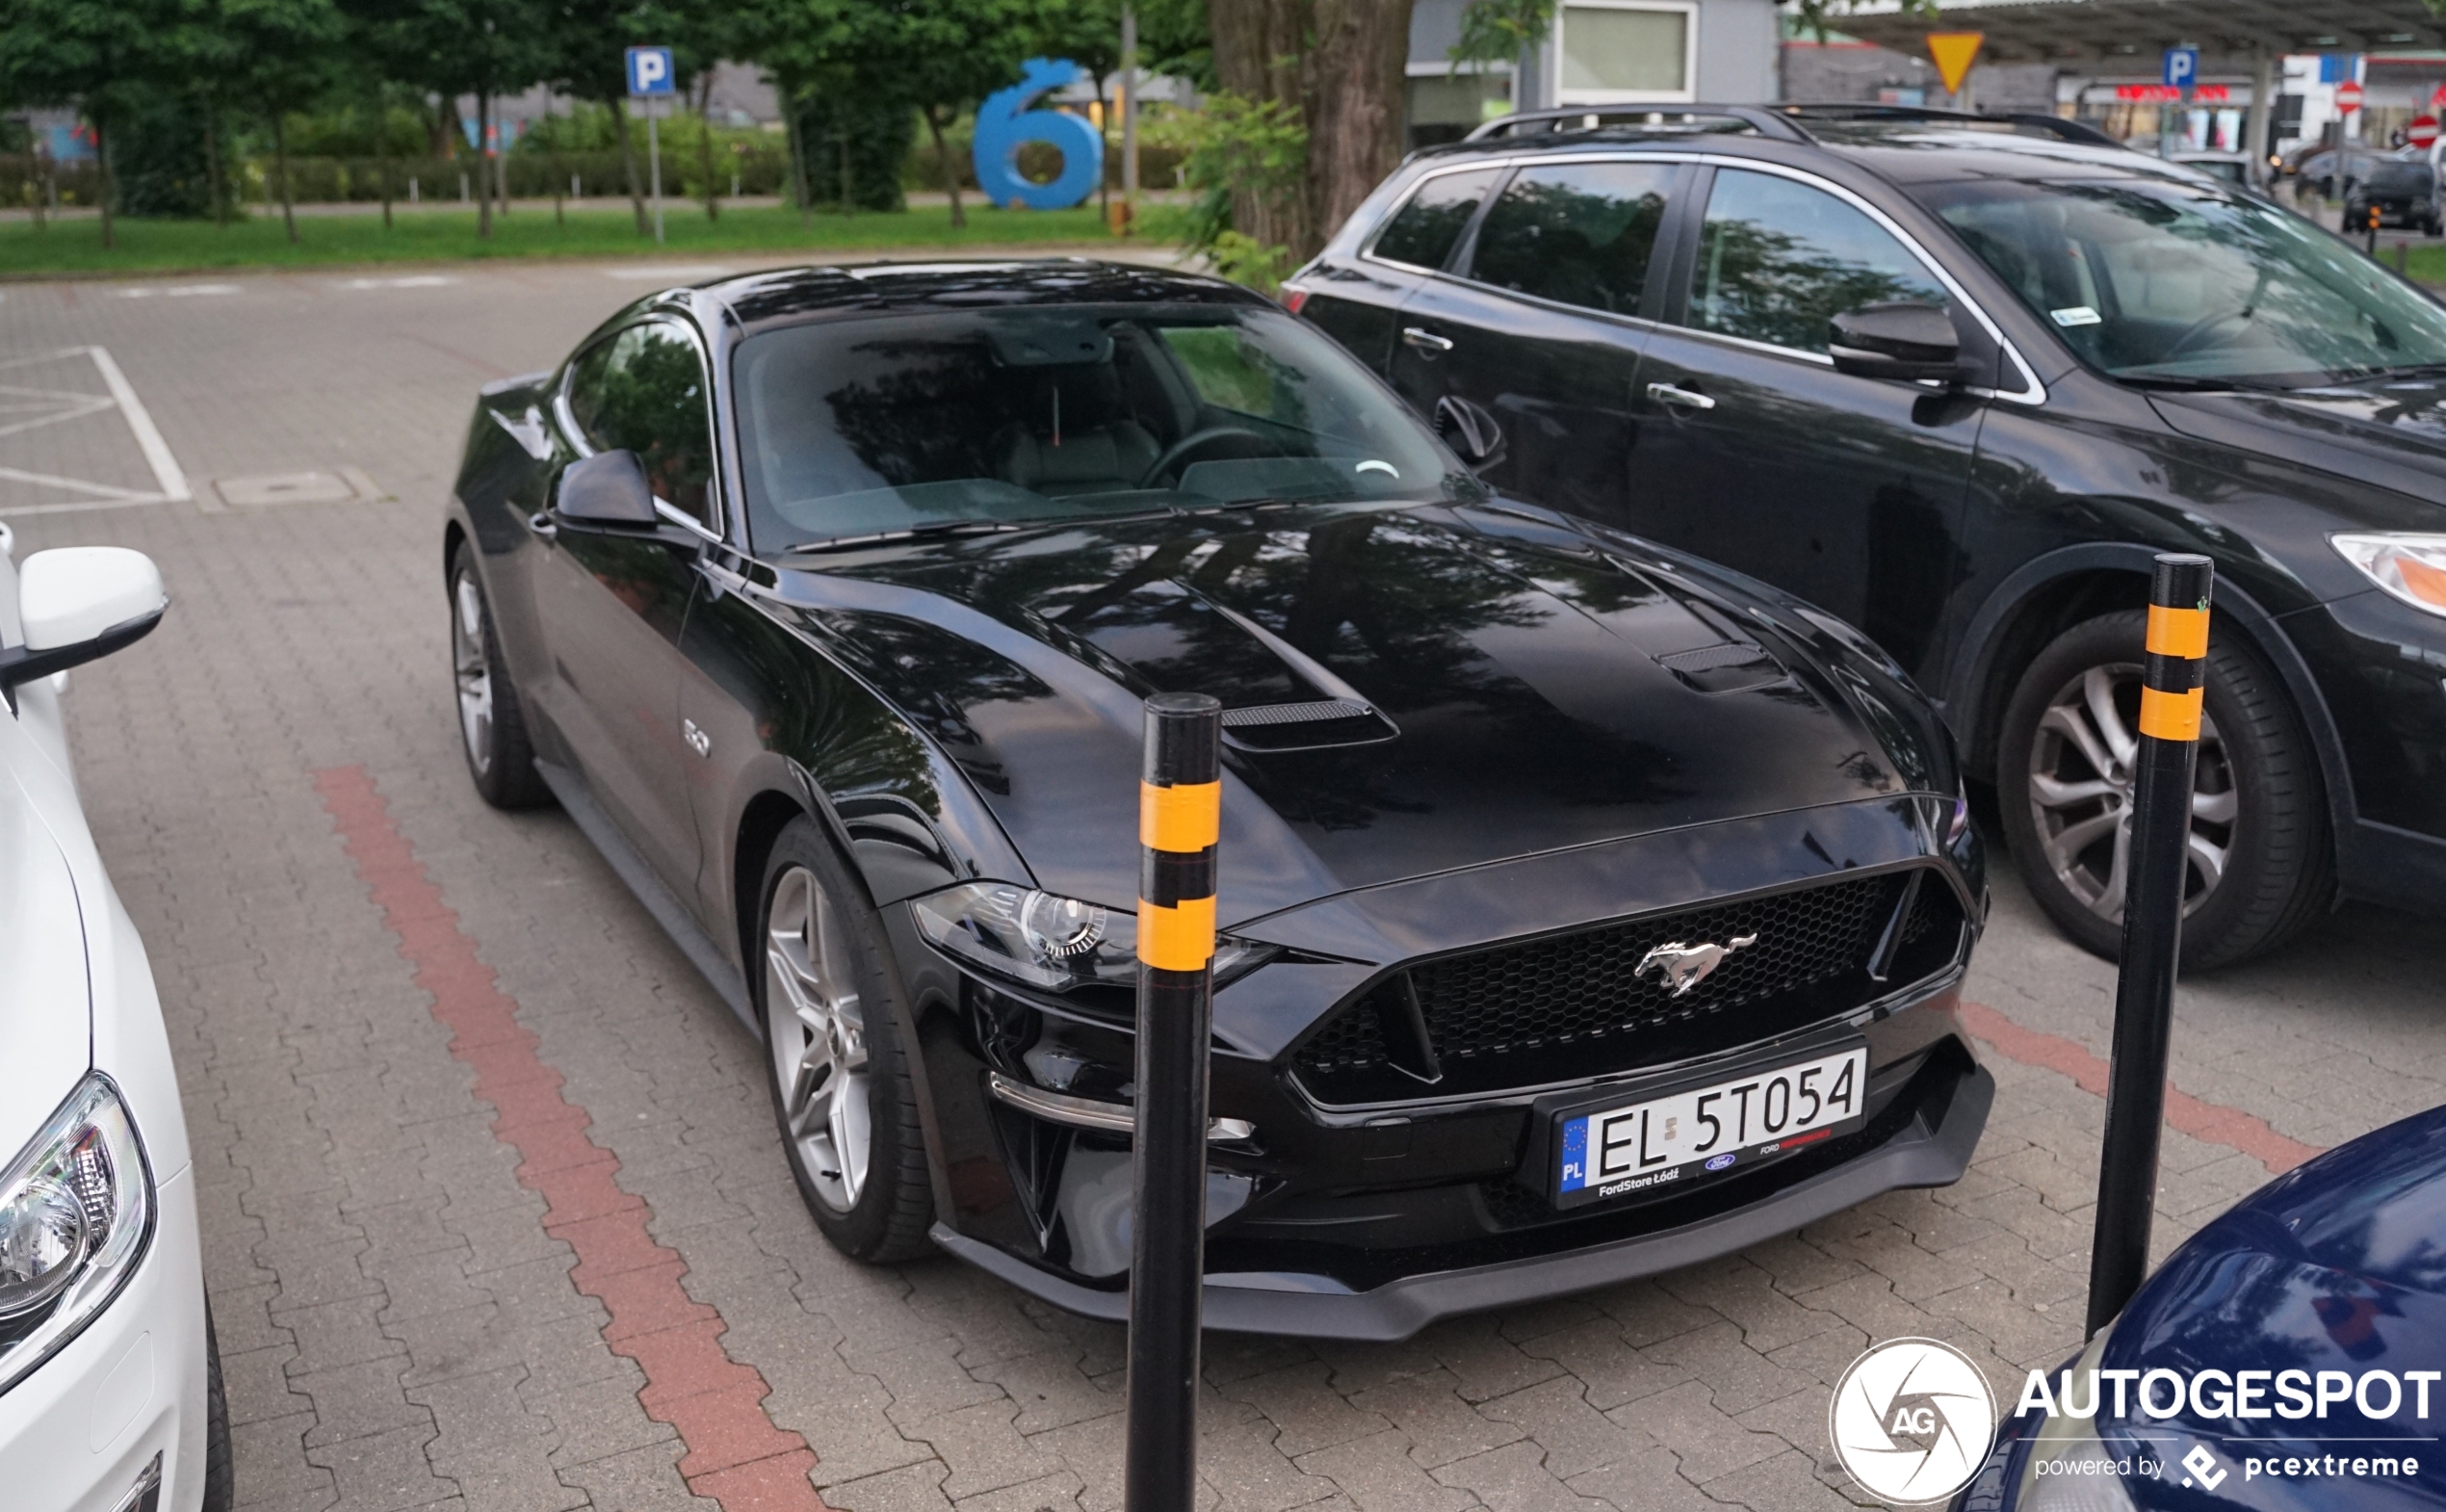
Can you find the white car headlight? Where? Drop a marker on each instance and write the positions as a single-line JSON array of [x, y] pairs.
[[76, 1209], [1047, 940], [2411, 568]]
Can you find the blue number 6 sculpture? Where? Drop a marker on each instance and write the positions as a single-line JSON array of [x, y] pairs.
[[1004, 122]]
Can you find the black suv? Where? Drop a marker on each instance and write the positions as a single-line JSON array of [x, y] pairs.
[[1956, 380]]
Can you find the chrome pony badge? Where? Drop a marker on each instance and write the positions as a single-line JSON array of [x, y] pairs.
[[1684, 967]]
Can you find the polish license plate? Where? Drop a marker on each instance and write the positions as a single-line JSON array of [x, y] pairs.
[[1712, 1129]]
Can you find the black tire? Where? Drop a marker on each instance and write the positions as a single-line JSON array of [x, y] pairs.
[[500, 757], [2256, 769], [221, 1471], [882, 1213]]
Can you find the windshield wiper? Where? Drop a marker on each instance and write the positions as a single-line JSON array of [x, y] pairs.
[[2188, 383], [939, 528]]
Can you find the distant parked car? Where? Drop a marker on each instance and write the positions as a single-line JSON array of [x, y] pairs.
[[110, 1391], [2233, 167], [2307, 1323], [2403, 193]]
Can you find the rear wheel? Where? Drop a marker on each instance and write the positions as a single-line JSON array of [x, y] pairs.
[[2259, 855], [492, 725], [841, 1085]]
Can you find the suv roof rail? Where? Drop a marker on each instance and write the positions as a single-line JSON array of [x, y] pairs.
[[2053, 125], [1646, 120]]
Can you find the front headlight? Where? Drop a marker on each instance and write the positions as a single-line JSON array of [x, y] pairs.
[[2411, 568], [76, 1208], [1047, 940]]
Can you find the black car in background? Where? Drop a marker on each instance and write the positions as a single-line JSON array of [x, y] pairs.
[[2403, 192], [1955, 380], [826, 601]]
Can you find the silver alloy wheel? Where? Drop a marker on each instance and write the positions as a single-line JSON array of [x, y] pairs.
[[472, 670], [817, 1030], [2081, 772]]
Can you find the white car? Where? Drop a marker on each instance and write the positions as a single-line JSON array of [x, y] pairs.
[[109, 1396]]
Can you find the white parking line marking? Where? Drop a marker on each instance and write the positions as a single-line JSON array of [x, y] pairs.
[[175, 290], [421, 280], [670, 272], [54, 407]]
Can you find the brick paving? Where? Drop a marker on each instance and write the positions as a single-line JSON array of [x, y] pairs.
[[408, 1322]]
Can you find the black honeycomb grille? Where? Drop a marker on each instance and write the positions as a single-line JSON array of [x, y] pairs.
[[1578, 1005]]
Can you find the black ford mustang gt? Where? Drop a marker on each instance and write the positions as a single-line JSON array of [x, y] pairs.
[[1587, 910]]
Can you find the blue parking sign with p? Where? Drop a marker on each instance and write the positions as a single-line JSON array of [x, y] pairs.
[[2182, 67], [650, 71]]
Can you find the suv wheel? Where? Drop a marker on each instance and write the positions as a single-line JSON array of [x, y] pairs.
[[492, 725], [841, 1085], [2259, 858]]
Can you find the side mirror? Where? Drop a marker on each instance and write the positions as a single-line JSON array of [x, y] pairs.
[[79, 603], [1470, 430], [1899, 340], [608, 489]]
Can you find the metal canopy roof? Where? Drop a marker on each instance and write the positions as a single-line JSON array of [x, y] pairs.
[[2228, 32]]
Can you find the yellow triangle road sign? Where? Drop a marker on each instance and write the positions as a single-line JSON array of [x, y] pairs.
[[1954, 52]]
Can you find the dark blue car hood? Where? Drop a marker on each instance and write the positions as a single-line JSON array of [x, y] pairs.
[[2340, 1264]]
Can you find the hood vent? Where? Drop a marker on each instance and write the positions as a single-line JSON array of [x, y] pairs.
[[1312, 725], [1727, 668]]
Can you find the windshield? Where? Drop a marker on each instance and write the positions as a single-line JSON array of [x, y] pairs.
[[2181, 282], [874, 426]]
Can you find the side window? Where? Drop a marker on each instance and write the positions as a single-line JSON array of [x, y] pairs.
[[1777, 260], [644, 390], [1578, 232], [1422, 233]]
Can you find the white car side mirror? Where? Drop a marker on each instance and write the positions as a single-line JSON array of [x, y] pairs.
[[79, 603]]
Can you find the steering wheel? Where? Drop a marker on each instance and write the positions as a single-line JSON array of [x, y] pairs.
[[1196, 441]]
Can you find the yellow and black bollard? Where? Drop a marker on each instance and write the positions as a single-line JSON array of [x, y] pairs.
[[2172, 680], [1180, 822]]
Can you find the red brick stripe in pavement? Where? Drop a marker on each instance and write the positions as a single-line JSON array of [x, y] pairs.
[[735, 1454], [2213, 1122]]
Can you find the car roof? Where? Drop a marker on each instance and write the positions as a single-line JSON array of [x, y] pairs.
[[1901, 144], [790, 296]]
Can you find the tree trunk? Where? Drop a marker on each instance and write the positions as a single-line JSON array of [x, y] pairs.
[[1258, 45], [800, 180], [212, 167], [1356, 80], [951, 174], [705, 140], [628, 163], [281, 161], [42, 161], [110, 188], [1104, 154], [383, 153], [484, 165]]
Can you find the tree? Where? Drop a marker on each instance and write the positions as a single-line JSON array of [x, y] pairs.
[[96, 56], [952, 54], [1342, 65], [486, 48], [283, 57]]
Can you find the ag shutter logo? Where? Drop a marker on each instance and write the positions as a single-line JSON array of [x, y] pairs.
[[1911, 1420]]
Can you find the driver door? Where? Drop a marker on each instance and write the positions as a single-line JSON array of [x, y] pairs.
[[612, 603], [1756, 452]]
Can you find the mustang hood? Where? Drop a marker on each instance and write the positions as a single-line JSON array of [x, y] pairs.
[[1407, 690]]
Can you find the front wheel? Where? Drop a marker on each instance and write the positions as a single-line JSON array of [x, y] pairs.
[[842, 1089], [2259, 865], [492, 724]]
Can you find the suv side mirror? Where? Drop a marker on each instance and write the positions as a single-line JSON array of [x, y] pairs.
[[608, 489], [1904, 339], [1470, 430], [78, 603]]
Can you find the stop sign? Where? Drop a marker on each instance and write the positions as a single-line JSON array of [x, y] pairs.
[[2348, 96], [2422, 131]]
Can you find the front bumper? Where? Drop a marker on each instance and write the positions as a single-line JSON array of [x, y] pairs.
[[78, 1434], [2381, 666], [1933, 1149]]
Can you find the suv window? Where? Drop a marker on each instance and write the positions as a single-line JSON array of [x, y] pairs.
[[1577, 232], [644, 390], [1777, 260], [1422, 234]]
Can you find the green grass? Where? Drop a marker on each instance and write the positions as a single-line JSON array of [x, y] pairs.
[[449, 235]]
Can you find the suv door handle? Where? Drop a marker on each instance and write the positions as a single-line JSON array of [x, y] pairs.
[[1668, 394], [1425, 340]]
